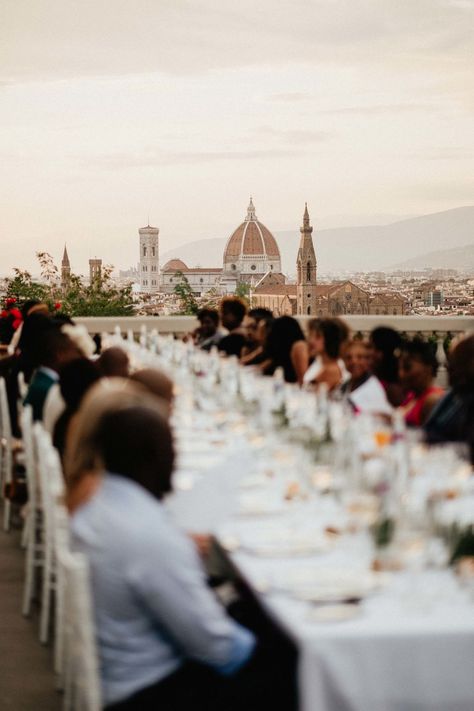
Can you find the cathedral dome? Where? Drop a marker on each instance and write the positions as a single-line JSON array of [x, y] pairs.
[[175, 265], [252, 248]]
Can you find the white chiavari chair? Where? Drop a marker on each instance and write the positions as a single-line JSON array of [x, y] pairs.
[[33, 520], [81, 673], [6, 454], [51, 487]]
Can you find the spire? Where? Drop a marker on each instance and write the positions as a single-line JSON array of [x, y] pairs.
[[306, 223], [65, 262], [251, 211]]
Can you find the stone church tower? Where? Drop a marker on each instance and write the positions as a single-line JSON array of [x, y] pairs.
[[65, 270], [149, 259], [306, 298]]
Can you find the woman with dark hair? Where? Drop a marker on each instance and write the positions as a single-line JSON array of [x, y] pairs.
[[75, 379], [164, 640], [286, 348], [326, 338], [385, 345], [418, 368], [452, 418]]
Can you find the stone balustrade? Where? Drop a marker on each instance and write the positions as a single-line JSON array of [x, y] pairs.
[[437, 327]]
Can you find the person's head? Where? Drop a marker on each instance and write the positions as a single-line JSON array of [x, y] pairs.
[[157, 383], [384, 346], [356, 358], [232, 312], [123, 430], [33, 306], [417, 366], [461, 366], [75, 379], [55, 349], [114, 363], [252, 321], [326, 336], [208, 322], [283, 333]]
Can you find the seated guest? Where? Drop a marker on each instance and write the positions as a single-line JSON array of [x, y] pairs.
[[326, 337], [55, 349], [363, 390], [418, 367], [385, 345], [54, 404], [157, 383], [286, 348], [164, 640], [208, 333], [452, 418], [75, 379], [256, 325], [232, 312], [114, 363]]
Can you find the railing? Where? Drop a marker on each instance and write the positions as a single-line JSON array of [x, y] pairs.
[[437, 327], [179, 325]]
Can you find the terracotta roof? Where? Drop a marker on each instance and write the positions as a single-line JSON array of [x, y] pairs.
[[175, 265], [251, 238], [277, 289]]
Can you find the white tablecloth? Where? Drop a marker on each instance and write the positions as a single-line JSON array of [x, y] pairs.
[[410, 649]]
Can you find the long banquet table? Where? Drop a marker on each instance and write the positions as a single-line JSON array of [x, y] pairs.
[[407, 645], [410, 644]]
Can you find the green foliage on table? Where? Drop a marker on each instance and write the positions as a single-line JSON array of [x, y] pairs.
[[382, 531], [460, 542]]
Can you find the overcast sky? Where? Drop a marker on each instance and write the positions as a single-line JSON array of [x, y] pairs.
[[116, 111]]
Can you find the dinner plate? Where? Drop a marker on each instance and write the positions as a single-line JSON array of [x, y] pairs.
[[333, 613]]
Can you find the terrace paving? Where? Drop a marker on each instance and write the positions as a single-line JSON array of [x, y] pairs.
[[26, 667]]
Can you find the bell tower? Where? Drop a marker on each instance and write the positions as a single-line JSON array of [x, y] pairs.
[[65, 270], [306, 270]]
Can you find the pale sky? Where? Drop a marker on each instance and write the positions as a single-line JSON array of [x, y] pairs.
[[116, 111]]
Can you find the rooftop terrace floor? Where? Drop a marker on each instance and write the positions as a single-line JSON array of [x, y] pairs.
[[26, 667]]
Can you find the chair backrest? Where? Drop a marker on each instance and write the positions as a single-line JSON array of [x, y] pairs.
[[30, 456], [51, 484], [5, 424], [82, 649], [22, 386]]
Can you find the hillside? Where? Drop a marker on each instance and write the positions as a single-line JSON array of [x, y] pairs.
[[362, 248], [457, 258]]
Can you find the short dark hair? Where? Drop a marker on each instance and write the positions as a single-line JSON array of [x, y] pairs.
[[208, 313], [259, 314], [75, 379], [334, 332], [235, 306], [136, 443], [422, 351]]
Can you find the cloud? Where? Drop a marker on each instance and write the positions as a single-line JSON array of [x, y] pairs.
[[378, 109], [169, 158], [293, 136], [116, 37]]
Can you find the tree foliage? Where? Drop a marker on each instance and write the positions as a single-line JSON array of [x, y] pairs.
[[189, 305], [101, 298]]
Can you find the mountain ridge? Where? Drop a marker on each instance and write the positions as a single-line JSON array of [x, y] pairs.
[[358, 248]]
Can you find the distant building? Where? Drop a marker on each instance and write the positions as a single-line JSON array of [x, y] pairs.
[[199, 279], [149, 259], [306, 268], [434, 298], [65, 270], [251, 251], [95, 270]]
